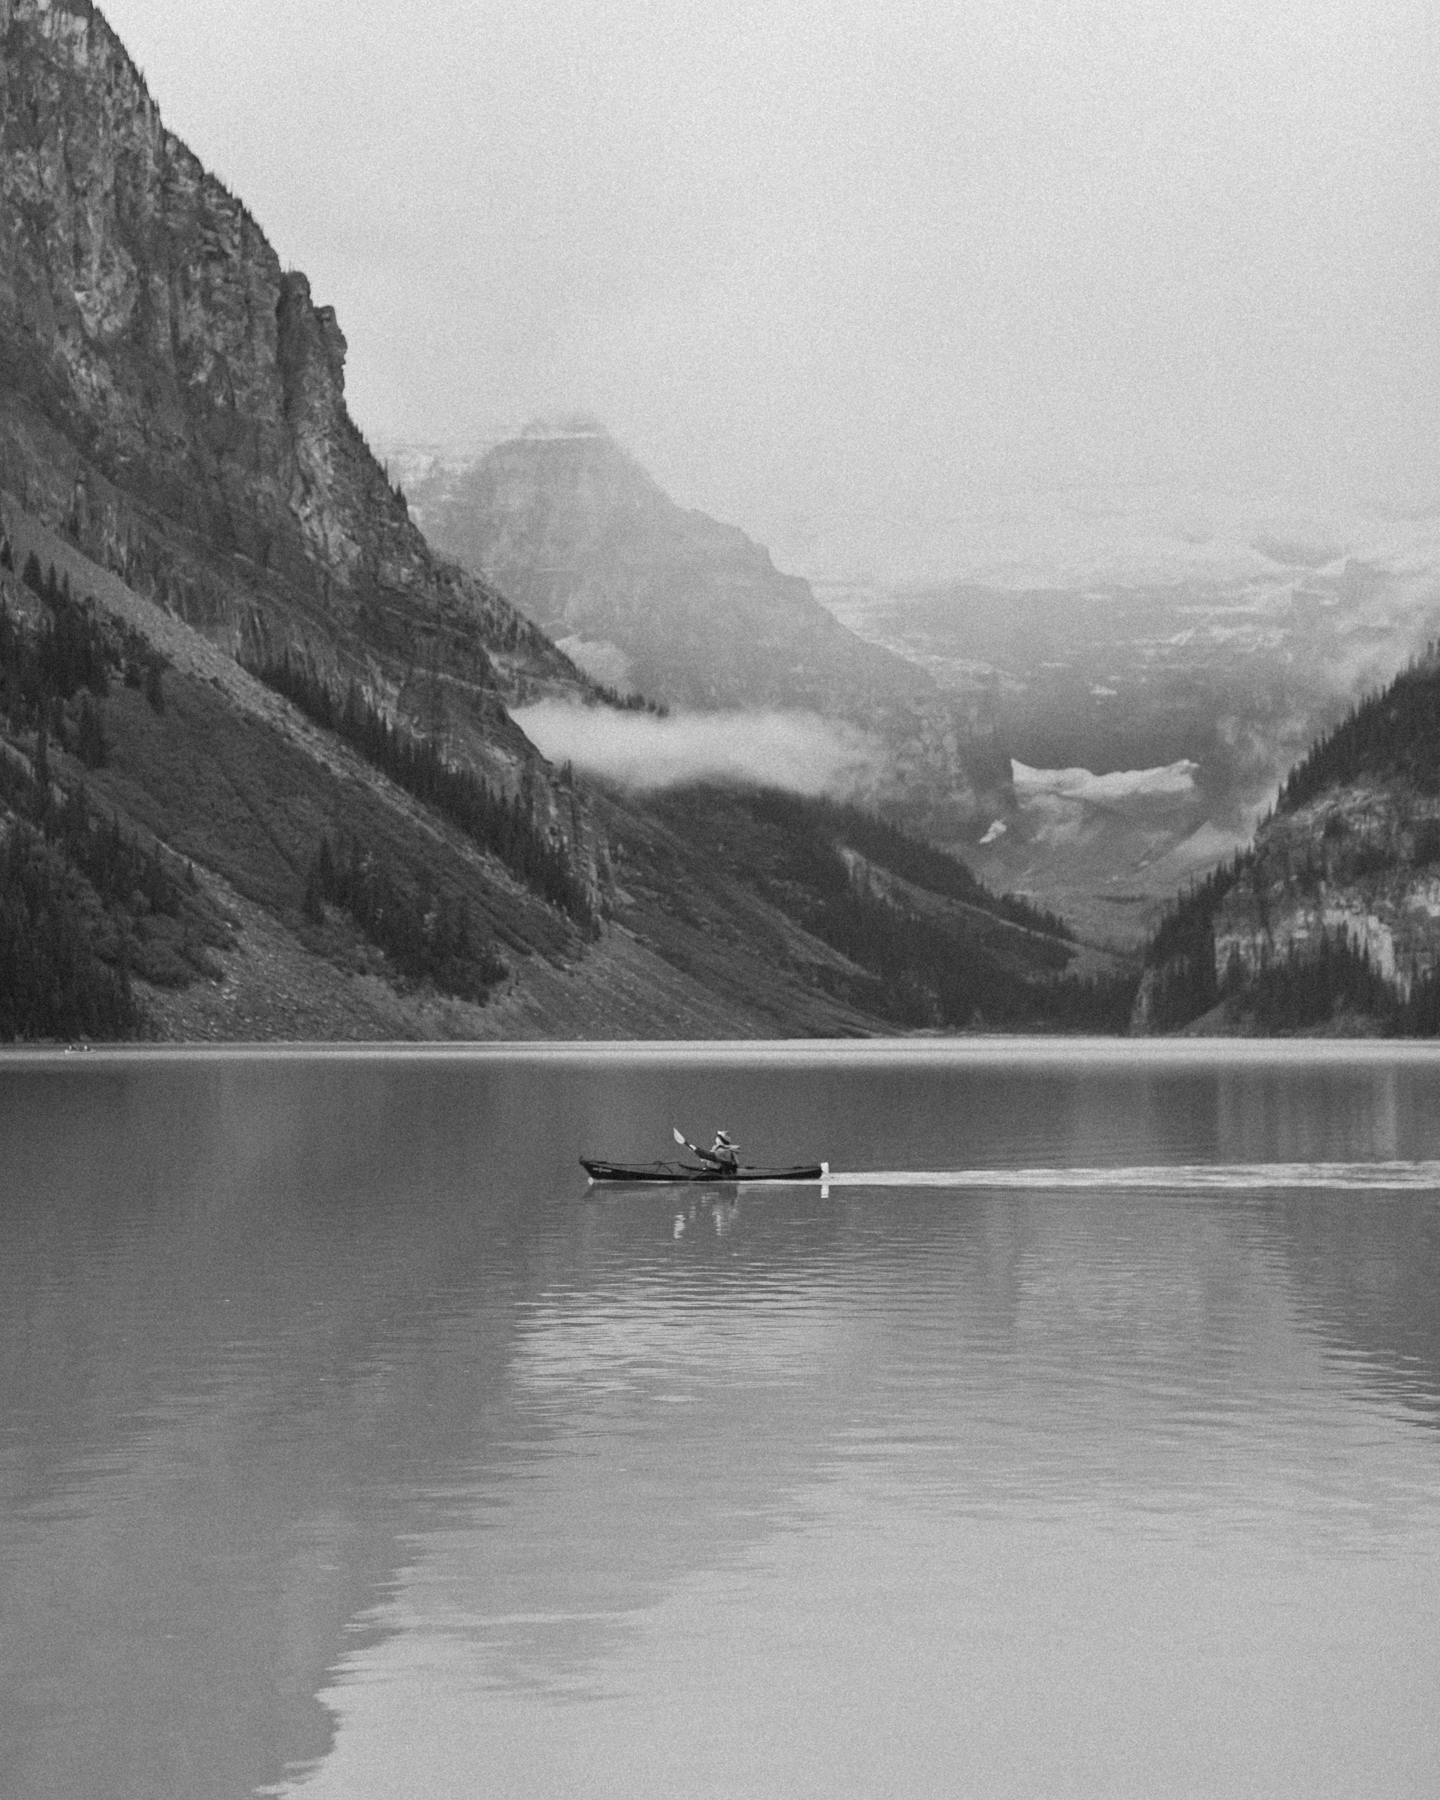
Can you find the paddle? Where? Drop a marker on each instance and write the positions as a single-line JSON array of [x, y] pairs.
[[709, 1161]]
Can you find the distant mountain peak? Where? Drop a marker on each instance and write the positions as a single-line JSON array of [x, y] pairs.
[[683, 608]]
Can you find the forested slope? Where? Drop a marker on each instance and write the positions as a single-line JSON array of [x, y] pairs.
[[1332, 920], [260, 775], [290, 862]]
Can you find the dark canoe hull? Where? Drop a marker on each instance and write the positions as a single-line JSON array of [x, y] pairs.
[[677, 1171]]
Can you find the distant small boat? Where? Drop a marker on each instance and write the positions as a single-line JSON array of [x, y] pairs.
[[680, 1171]]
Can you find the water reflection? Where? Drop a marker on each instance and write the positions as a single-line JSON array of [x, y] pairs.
[[328, 1390], [1334, 1115]]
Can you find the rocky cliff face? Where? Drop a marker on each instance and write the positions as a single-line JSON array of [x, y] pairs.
[[678, 606], [173, 401], [592, 549], [182, 490], [1362, 860], [1333, 915]]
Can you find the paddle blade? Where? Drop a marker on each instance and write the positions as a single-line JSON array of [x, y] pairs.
[[678, 1135]]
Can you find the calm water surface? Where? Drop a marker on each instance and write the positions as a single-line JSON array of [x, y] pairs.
[[350, 1448]]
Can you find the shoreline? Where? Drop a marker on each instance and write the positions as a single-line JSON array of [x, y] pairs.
[[998, 1048]]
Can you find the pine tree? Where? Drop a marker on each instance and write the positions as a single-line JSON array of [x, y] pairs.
[[91, 745]]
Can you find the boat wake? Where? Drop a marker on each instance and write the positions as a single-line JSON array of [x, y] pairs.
[[1362, 1177]]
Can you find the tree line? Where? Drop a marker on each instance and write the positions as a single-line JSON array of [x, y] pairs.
[[1393, 733], [934, 973], [42, 668], [1180, 956], [71, 649], [1301, 989], [1304, 989], [82, 904], [504, 827], [428, 936], [904, 855], [929, 971], [613, 698], [52, 982]]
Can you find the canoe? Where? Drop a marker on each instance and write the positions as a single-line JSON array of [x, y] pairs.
[[680, 1171]]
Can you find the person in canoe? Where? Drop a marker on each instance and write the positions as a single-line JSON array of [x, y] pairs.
[[724, 1153]]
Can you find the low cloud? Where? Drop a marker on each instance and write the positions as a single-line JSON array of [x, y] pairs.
[[794, 750]]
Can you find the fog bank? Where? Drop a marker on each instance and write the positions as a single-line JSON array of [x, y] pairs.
[[798, 751], [844, 260]]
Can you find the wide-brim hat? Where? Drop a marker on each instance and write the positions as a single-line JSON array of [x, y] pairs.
[[723, 1137]]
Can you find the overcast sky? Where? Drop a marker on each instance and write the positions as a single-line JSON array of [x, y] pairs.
[[817, 254]]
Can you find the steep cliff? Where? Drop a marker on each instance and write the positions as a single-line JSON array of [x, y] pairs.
[[685, 609], [258, 775], [173, 401], [174, 442], [1362, 861]]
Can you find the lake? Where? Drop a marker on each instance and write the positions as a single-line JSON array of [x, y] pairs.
[[1081, 1438]]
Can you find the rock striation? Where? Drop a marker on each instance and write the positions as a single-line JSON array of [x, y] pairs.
[[173, 401], [182, 494], [1363, 861]]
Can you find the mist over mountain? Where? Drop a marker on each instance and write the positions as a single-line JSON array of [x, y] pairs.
[[260, 764], [860, 267], [800, 752], [663, 600], [259, 771], [1124, 630], [1029, 535], [587, 544]]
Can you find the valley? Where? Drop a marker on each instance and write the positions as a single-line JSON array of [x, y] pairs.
[[264, 702], [664, 602], [1215, 684], [262, 775]]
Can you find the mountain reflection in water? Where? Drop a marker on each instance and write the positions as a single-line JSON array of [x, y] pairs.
[[347, 1442]]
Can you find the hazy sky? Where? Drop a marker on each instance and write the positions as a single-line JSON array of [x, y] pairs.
[[825, 254]]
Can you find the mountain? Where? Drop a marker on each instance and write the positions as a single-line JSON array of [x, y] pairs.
[[676, 604], [919, 942], [192, 850], [172, 400], [1331, 919], [259, 776], [1125, 633], [663, 600]]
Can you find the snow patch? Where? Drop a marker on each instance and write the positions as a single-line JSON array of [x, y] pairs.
[[1122, 784]]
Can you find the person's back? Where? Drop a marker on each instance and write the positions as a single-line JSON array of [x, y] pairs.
[[725, 1152]]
